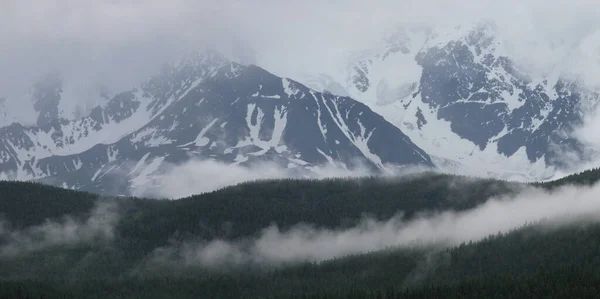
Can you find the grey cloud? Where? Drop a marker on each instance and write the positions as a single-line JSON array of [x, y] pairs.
[[100, 37]]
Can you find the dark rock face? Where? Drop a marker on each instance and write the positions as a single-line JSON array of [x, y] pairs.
[[488, 100], [361, 79], [471, 94], [204, 108]]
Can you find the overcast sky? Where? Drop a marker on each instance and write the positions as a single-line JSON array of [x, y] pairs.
[[120, 43]]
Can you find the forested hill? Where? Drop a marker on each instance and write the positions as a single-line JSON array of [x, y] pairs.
[[587, 177], [328, 202], [73, 244]]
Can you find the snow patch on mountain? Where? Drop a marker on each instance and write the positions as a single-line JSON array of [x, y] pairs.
[[457, 94], [205, 107]]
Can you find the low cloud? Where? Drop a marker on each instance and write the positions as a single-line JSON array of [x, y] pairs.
[[588, 132], [195, 177], [588, 157], [99, 226], [201, 176], [308, 243]]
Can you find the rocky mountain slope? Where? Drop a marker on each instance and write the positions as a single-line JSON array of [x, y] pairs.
[[458, 95], [203, 107]]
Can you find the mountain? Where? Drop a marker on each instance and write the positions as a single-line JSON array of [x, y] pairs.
[[203, 107], [458, 95]]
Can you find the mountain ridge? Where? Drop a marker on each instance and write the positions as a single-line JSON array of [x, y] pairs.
[[458, 94], [204, 107]]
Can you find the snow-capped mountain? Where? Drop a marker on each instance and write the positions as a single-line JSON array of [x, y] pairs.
[[458, 95], [203, 107]]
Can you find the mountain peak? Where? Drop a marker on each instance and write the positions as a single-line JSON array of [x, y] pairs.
[[202, 58], [206, 107], [458, 94]]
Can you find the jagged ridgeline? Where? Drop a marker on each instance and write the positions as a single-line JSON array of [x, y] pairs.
[[451, 98], [203, 107], [57, 243], [460, 95]]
